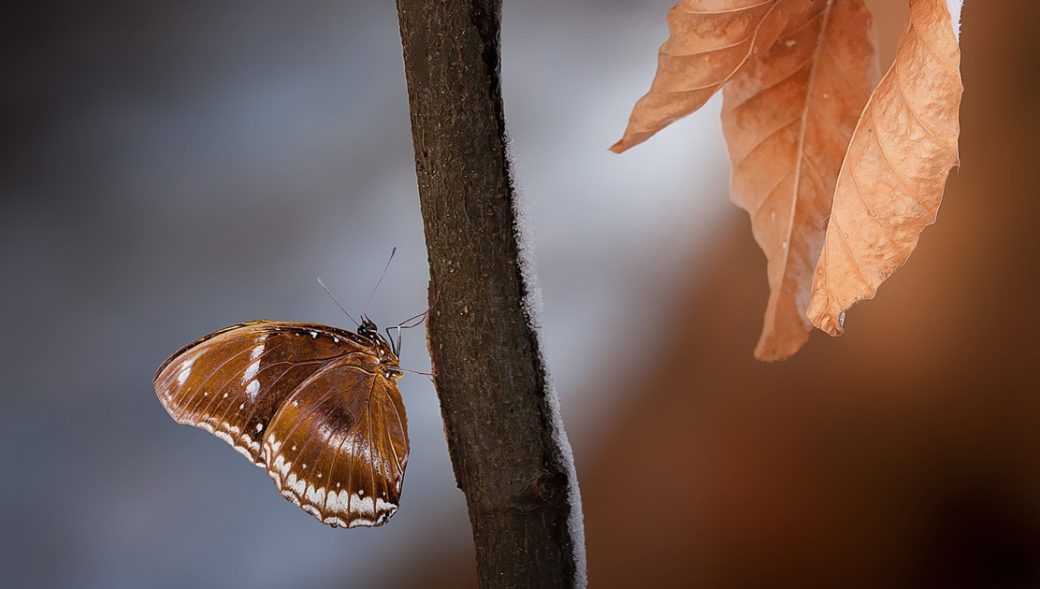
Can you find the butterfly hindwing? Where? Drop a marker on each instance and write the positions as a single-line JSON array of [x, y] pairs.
[[338, 446]]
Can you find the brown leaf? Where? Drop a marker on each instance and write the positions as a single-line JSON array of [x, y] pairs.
[[788, 116], [710, 40], [895, 171]]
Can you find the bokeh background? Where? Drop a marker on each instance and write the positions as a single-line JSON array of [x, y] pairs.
[[168, 169]]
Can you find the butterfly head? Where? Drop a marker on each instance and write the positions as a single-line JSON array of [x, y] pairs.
[[368, 328], [385, 348]]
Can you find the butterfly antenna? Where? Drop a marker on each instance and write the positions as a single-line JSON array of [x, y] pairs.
[[381, 276], [333, 297]]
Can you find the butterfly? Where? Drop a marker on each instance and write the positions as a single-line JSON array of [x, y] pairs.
[[316, 406]]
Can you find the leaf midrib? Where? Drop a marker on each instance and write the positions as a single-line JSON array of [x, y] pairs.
[[800, 149]]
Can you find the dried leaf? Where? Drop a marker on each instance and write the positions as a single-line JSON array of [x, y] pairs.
[[788, 116], [710, 40], [894, 174]]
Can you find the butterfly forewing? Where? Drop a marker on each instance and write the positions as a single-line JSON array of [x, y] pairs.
[[341, 460], [267, 387]]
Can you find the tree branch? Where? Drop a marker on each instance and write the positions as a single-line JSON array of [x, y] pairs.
[[509, 453]]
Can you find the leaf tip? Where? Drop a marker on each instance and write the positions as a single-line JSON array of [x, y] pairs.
[[770, 356], [772, 348], [826, 314], [833, 326]]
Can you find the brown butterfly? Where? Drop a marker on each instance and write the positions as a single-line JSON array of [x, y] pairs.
[[316, 406]]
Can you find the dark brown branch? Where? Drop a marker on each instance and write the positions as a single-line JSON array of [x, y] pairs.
[[492, 385]]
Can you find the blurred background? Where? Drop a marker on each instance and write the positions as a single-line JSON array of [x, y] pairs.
[[169, 169]]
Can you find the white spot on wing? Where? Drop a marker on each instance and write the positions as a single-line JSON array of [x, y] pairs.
[[337, 502], [289, 495], [244, 452], [253, 388], [315, 496], [334, 521], [251, 371], [364, 505], [274, 444], [280, 465]]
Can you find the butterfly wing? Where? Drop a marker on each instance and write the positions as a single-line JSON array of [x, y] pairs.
[[232, 382], [308, 402], [339, 445]]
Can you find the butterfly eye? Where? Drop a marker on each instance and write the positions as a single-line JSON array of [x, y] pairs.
[[368, 328]]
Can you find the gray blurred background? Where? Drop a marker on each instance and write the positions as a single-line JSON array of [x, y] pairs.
[[167, 169]]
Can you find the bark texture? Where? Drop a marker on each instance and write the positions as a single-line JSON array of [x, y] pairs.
[[495, 400]]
